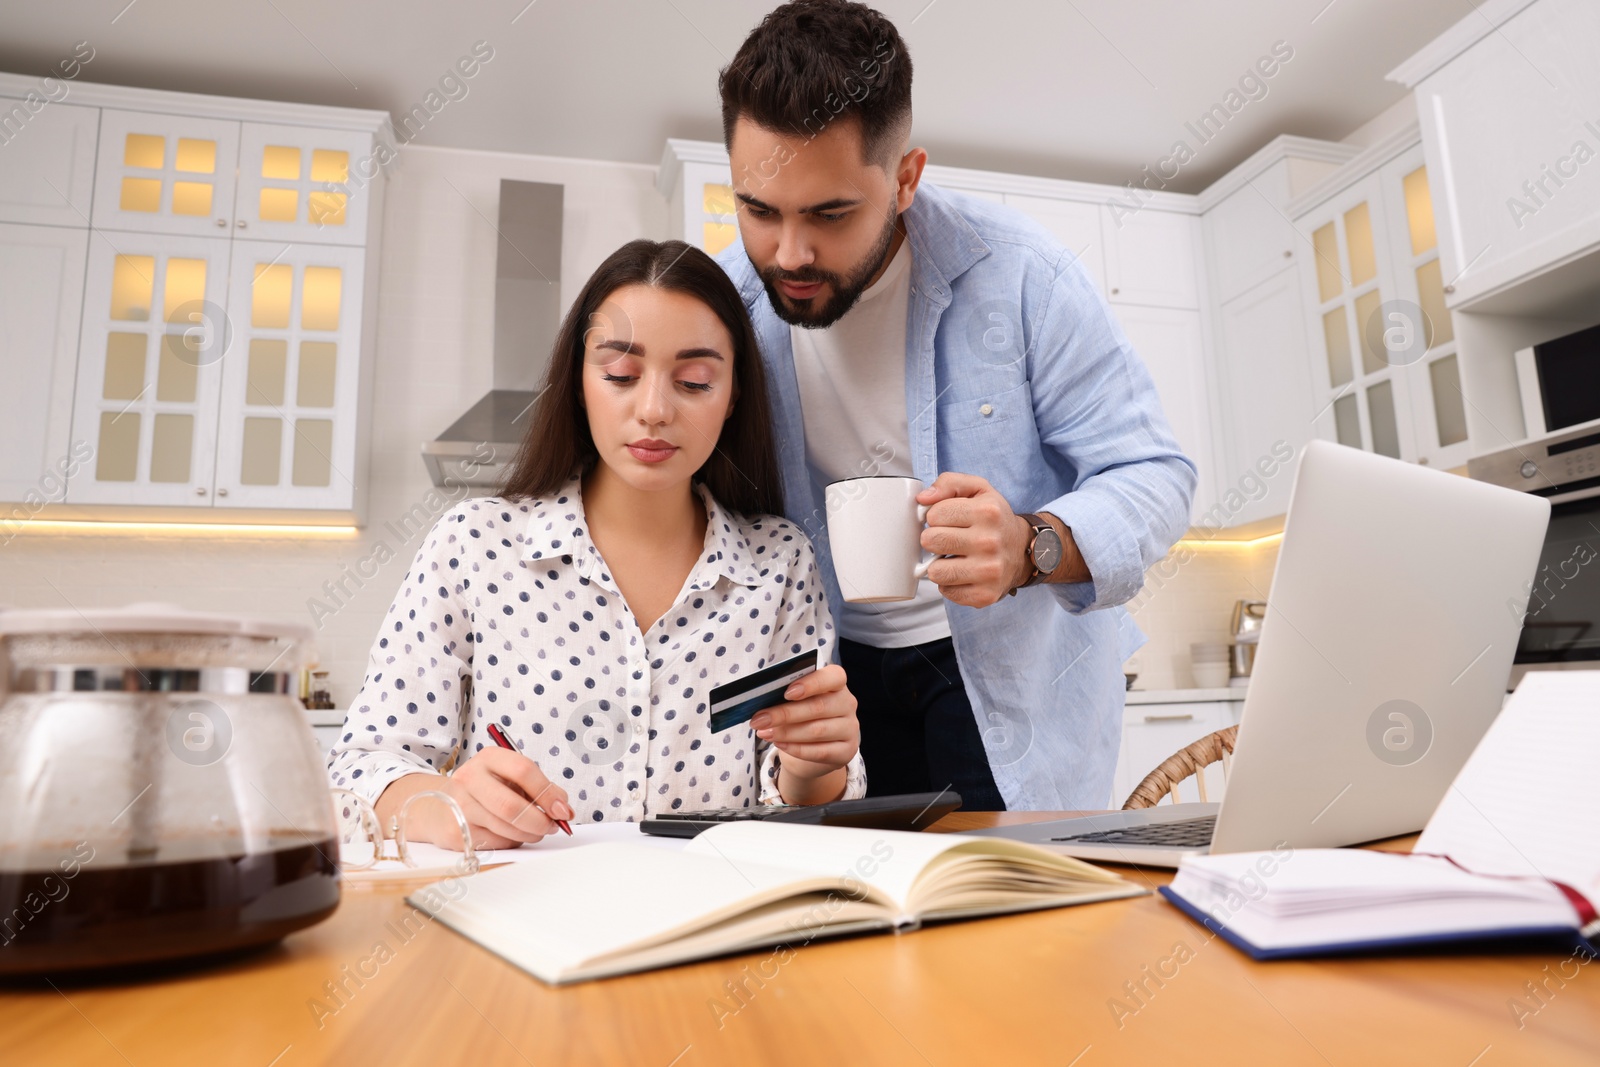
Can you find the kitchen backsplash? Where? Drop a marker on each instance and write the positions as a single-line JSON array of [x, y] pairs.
[[1186, 602]]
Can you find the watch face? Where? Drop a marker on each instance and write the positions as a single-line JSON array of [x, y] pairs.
[[1047, 550]]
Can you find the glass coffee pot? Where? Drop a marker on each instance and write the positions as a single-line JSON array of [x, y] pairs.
[[161, 793]]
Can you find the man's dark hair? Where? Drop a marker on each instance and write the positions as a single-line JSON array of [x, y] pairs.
[[742, 473], [811, 63]]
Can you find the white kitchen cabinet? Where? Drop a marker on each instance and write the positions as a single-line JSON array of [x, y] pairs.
[[1153, 732], [295, 184], [1074, 223], [197, 175], [287, 433], [148, 368], [1250, 237], [1151, 258], [1171, 343], [1430, 359], [695, 179], [164, 321], [47, 164], [1384, 367], [1365, 397], [165, 173], [41, 286], [1509, 104], [1264, 404], [1264, 378]]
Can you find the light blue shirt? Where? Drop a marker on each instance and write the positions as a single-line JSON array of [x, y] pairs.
[[1017, 372]]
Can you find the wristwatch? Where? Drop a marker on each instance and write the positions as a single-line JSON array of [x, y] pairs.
[[1044, 551]]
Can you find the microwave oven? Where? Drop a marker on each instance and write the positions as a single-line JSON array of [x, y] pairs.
[[1560, 382]]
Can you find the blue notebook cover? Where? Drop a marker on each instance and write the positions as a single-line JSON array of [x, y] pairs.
[[1531, 938]]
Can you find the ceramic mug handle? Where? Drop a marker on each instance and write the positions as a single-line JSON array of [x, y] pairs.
[[921, 569]]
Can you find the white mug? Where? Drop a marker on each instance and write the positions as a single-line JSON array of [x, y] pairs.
[[874, 531]]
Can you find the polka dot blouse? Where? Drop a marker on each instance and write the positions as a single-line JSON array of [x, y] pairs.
[[515, 597]]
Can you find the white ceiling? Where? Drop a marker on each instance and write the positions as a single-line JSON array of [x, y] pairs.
[[1086, 89]]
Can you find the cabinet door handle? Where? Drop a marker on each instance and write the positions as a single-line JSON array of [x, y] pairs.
[[1185, 717], [1288, 253], [199, 490], [242, 224], [1449, 289], [222, 224], [222, 492]]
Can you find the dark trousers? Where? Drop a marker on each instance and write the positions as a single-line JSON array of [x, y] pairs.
[[918, 733]]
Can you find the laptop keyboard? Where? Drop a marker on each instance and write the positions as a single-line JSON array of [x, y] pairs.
[[1184, 833]]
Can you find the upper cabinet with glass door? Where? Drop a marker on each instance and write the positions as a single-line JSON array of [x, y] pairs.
[[165, 173], [1383, 346], [194, 175], [1420, 334], [301, 184], [226, 347], [694, 177]]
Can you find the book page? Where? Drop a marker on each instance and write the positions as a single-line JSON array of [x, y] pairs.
[[912, 870], [1526, 802], [888, 860], [554, 913]]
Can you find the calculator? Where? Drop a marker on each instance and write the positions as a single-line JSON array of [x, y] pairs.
[[905, 811]]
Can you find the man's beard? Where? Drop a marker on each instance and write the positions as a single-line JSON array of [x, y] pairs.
[[846, 290]]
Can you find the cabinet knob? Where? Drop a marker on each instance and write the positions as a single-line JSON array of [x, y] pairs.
[[1449, 289], [1421, 460], [199, 490], [1288, 253], [222, 224], [224, 492], [242, 224], [1114, 292]]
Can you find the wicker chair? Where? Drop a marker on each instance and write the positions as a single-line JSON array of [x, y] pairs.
[[1164, 780]]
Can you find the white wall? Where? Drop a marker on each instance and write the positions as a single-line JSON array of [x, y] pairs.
[[435, 345]]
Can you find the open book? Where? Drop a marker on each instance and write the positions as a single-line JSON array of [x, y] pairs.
[[612, 908], [1512, 853]]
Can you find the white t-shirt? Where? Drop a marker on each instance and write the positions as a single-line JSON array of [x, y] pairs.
[[852, 378]]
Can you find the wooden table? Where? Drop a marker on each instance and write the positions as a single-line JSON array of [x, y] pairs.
[[1124, 982]]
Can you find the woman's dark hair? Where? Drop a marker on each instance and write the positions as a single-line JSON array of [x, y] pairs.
[[741, 472], [812, 62]]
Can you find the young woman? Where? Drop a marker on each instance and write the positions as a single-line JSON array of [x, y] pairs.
[[630, 564]]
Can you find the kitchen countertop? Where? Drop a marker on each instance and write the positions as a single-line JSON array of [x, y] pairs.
[[1184, 696]]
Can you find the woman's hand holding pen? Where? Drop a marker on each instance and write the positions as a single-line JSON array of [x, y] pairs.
[[506, 798], [817, 732]]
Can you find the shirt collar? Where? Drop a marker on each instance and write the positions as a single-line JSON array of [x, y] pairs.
[[557, 527], [727, 550]]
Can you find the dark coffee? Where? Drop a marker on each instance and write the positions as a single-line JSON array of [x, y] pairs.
[[109, 916]]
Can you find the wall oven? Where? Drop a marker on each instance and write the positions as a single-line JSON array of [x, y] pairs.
[[1562, 622]]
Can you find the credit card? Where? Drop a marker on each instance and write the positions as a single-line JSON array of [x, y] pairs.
[[735, 702]]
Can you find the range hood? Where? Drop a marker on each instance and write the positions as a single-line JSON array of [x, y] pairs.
[[479, 447]]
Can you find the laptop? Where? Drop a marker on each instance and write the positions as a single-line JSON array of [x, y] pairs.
[[1385, 652]]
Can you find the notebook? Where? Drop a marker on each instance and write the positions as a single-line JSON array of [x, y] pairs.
[[615, 907], [1512, 853]]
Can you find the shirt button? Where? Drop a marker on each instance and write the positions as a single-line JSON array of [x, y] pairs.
[[986, 409]]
